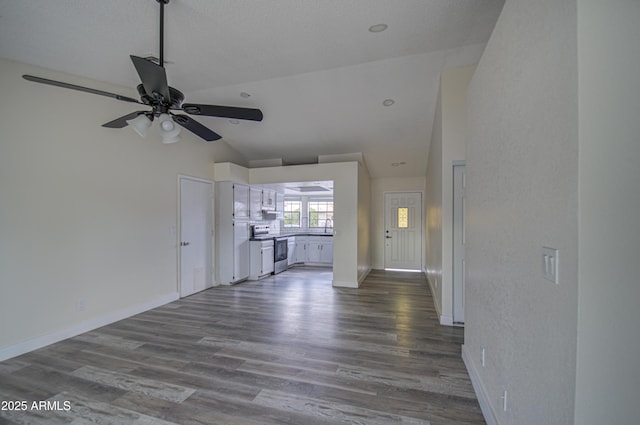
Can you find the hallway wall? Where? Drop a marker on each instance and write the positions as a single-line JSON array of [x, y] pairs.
[[522, 193]]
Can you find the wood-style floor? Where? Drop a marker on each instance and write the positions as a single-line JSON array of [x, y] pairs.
[[289, 349]]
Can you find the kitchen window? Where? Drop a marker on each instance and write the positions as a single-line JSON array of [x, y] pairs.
[[320, 214], [292, 213]]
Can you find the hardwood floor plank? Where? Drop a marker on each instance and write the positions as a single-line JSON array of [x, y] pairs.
[[330, 411], [288, 349], [129, 382]]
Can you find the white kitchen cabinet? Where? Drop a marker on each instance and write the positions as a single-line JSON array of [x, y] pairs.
[[232, 232], [291, 250], [261, 254], [280, 204], [255, 203], [314, 249], [240, 200], [301, 249], [326, 250], [269, 199], [241, 250]]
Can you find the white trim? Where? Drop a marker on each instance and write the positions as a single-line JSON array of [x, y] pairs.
[[44, 340], [345, 284], [481, 393], [446, 320], [363, 276], [388, 269], [198, 179]]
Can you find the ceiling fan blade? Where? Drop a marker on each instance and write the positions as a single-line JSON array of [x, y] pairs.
[[122, 121], [79, 88], [196, 128], [153, 77], [223, 111]]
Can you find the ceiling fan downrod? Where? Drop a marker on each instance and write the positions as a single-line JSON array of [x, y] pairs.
[[161, 53]]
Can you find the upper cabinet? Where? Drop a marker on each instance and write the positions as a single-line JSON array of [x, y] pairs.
[[240, 201], [255, 202], [280, 204], [245, 202], [232, 200], [268, 200]]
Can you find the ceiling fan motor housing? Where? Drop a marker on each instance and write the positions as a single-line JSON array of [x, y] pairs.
[[158, 103]]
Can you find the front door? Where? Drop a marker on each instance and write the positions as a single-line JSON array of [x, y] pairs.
[[403, 230], [196, 235]]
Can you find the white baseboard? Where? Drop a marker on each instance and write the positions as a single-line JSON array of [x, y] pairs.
[[44, 340], [345, 284], [363, 276], [446, 320], [481, 393]]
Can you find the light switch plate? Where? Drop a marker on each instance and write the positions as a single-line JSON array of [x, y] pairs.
[[550, 264]]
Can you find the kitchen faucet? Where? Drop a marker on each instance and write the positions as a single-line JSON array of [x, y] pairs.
[[328, 224]]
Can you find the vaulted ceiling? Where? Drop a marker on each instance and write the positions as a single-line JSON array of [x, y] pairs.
[[313, 66]]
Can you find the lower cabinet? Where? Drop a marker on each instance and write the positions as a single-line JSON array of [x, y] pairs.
[[314, 249], [291, 250], [261, 258]]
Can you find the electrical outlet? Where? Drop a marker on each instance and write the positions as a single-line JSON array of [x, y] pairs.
[[80, 305], [550, 264]]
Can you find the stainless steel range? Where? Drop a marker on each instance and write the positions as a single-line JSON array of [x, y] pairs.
[[280, 252]]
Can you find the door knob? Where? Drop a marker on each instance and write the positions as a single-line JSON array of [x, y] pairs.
[[184, 243]]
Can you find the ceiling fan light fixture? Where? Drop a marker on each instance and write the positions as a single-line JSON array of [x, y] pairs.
[[169, 131], [170, 140], [140, 124]]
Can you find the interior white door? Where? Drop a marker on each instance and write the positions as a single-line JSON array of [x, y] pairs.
[[459, 240], [403, 230], [196, 235]]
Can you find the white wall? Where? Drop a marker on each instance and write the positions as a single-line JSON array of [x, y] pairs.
[[433, 210], [348, 234], [364, 223], [522, 185], [448, 144], [608, 374], [88, 213], [378, 188]]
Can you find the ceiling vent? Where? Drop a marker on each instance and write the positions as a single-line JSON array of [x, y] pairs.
[[311, 189]]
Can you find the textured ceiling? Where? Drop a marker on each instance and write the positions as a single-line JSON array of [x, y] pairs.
[[312, 66]]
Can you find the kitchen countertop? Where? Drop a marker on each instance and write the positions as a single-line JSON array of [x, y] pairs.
[[306, 234]]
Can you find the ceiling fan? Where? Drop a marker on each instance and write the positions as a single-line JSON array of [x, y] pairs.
[[156, 93]]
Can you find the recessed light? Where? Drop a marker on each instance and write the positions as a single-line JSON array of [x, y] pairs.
[[234, 122], [378, 27], [388, 102], [244, 94]]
